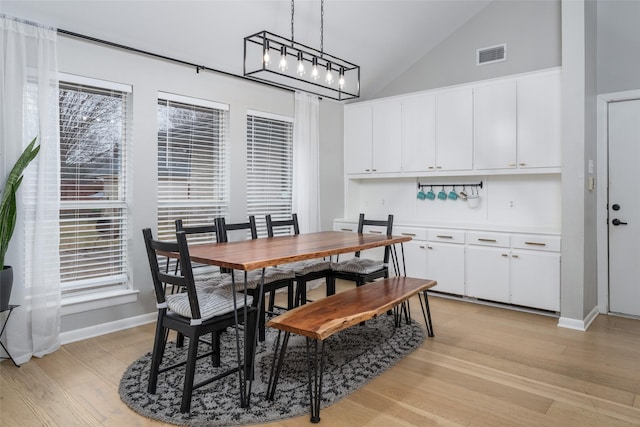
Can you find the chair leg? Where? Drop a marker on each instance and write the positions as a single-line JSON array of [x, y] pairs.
[[331, 285], [290, 295], [272, 300], [215, 348], [192, 358], [156, 356]]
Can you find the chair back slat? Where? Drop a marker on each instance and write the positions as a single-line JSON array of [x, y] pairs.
[[271, 224], [388, 223], [224, 228], [158, 248]]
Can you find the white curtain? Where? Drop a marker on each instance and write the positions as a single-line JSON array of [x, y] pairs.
[[29, 108], [306, 166]]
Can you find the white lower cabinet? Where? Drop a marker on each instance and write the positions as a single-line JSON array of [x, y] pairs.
[[445, 263], [511, 268], [488, 273], [535, 279]]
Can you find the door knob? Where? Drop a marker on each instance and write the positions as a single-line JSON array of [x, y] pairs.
[[615, 207], [617, 222]]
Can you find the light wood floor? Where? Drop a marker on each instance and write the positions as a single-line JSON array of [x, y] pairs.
[[486, 366]]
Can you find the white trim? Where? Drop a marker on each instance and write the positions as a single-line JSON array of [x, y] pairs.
[[577, 324], [271, 116], [88, 81], [106, 328], [602, 196], [192, 101], [98, 300]]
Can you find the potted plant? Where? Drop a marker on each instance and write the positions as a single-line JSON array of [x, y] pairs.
[[8, 218]]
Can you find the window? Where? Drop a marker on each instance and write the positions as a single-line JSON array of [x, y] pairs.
[[93, 171], [192, 163], [269, 167]]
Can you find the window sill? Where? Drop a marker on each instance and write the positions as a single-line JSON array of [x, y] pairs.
[[95, 301]]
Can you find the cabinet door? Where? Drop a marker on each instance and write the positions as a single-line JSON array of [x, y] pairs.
[[535, 279], [357, 139], [446, 264], [539, 121], [419, 133], [415, 258], [454, 129], [494, 124], [488, 273], [386, 138]]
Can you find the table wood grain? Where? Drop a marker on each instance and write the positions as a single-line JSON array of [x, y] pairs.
[[269, 251]]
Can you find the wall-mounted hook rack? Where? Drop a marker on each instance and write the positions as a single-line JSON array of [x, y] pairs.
[[478, 184]]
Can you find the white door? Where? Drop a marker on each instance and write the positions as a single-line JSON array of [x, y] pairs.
[[624, 207]]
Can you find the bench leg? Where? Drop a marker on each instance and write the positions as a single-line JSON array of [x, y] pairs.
[[316, 368], [275, 369], [426, 313]]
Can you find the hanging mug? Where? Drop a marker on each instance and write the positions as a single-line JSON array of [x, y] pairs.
[[463, 194], [452, 194], [430, 194], [442, 195], [421, 194]]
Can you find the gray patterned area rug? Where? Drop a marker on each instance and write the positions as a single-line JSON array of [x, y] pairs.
[[353, 357]]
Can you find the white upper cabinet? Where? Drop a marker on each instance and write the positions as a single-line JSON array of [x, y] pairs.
[[454, 129], [419, 133], [372, 138], [357, 139], [539, 120], [386, 138], [494, 114]]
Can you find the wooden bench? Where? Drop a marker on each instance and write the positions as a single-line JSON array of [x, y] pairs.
[[320, 319]]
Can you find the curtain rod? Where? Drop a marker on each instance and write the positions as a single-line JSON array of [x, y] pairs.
[[167, 58]]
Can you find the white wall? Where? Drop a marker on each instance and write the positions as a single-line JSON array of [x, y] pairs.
[[530, 28], [148, 76]]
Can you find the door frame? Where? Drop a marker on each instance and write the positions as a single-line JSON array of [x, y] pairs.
[[602, 188]]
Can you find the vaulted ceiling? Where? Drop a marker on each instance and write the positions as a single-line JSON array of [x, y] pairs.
[[384, 37]]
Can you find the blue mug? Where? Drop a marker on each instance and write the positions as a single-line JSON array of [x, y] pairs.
[[421, 195], [431, 195], [442, 195]]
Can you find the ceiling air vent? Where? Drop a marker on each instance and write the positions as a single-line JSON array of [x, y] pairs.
[[489, 55]]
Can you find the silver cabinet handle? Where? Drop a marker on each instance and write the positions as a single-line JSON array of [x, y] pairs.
[[444, 237], [346, 229], [375, 232], [515, 256], [505, 255], [488, 240], [535, 243], [408, 234]]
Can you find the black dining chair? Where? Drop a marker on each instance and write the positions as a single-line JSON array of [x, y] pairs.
[[194, 313], [306, 270], [204, 275], [363, 270], [274, 277]]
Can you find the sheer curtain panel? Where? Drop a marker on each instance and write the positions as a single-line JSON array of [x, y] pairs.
[[306, 168], [29, 108]]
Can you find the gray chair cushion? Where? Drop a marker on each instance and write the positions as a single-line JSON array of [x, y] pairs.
[[212, 278], [272, 274], [308, 266], [358, 265], [213, 301]]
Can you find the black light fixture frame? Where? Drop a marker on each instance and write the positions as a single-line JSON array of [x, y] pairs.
[[293, 49]]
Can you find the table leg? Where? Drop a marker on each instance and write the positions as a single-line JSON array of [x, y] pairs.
[[315, 363], [274, 375], [426, 313]]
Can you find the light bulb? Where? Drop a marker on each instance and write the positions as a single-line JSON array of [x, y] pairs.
[[314, 69], [266, 57], [300, 65], [283, 59], [341, 79], [329, 77]]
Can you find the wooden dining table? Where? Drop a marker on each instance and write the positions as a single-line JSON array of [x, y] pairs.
[[254, 254]]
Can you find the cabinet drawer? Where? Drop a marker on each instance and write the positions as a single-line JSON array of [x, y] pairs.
[[413, 232], [449, 236], [536, 242], [488, 239], [345, 226]]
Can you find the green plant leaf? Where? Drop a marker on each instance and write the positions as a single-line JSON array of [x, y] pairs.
[[8, 203]]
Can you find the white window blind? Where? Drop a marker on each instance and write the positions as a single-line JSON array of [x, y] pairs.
[[192, 164], [93, 169], [269, 168]]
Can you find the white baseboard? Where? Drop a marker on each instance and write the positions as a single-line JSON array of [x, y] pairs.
[[577, 324], [106, 328]]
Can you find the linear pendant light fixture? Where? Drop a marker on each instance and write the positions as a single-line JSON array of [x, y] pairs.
[[283, 62]]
